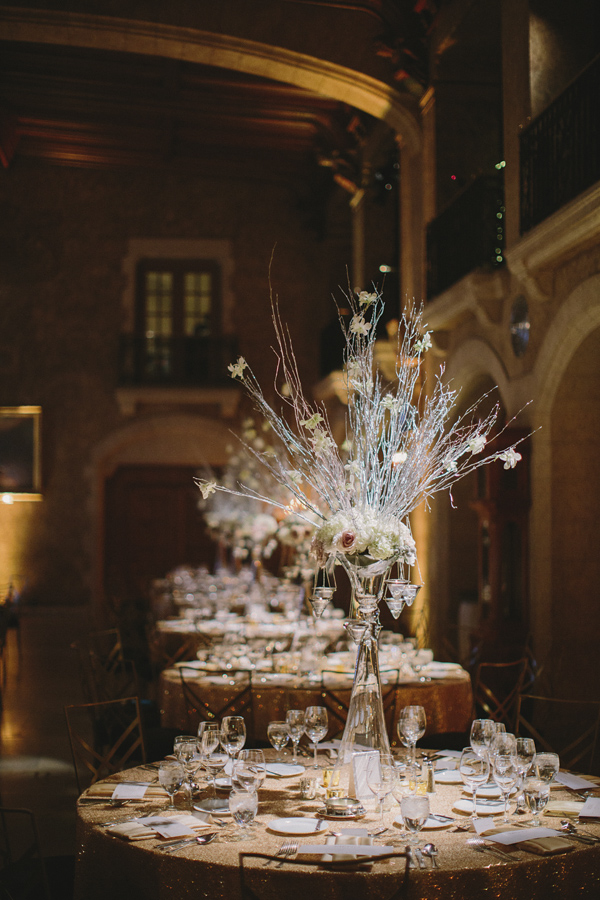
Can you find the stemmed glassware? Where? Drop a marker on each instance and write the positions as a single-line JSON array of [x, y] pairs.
[[524, 760], [243, 806], [546, 766], [316, 725], [415, 811], [411, 726], [249, 770], [537, 794], [233, 735], [295, 719], [171, 775], [185, 748], [278, 733], [482, 732], [213, 761], [474, 770], [380, 780], [506, 775]]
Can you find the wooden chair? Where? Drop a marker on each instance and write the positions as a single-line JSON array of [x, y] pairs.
[[348, 874], [105, 737], [567, 727], [336, 699], [25, 874], [238, 699], [496, 687]]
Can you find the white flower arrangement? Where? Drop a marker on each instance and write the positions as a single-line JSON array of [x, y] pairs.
[[401, 444]]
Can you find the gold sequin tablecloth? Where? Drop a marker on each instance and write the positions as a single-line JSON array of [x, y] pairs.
[[448, 702], [110, 868]]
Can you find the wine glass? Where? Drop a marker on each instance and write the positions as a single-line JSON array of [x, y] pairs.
[[537, 794], [213, 760], [316, 725], [185, 748], [295, 719], [415, 811], [278, 733], [171, 775], [474, 770], [546, 766], [233, 735], [249, 770], [380, 780], [506, 775], [411, 726], [243, 806], [482, 732]]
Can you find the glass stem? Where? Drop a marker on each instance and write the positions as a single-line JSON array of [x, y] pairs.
[[474, 814], [316, 766]]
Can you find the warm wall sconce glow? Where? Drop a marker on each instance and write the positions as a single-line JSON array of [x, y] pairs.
[[8, 498]]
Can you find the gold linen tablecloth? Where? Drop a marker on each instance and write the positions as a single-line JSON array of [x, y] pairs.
[[110, 867], [448, 702]]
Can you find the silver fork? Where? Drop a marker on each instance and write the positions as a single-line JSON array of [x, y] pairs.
[[291, 851], [482, 846], [283, 850]]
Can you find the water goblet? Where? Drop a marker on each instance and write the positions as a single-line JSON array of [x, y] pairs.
[[506, 775], [524, 760], [415, 811], [243, 806], [171, 775], [482, 732], [537, 794], [380, 780], [185, 748], [233, 735], [546, 766], [316, 725], [295, 719], [474, 770], [249, 770], [278, 733], [411, 726]]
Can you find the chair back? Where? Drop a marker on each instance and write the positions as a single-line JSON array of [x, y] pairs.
[[105, 738], [235, 699], [567, 727], [22, 866], [496, 688], [344, 871]]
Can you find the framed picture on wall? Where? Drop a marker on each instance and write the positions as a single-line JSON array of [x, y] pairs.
[[20, 452]]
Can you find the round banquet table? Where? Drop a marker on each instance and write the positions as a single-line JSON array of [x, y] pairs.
[[448, 702], [111, 867]]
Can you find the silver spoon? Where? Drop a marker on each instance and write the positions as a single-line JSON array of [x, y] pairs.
[[177, 845], [571, 829], [430, 850]]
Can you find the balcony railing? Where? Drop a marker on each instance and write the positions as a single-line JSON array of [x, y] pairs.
[[173, 361], [467, 235], [560, 150]]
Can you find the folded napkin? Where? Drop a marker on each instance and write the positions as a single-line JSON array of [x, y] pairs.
[[563, 808], [348, 840], [104, 790], [545, 845], [141, 829]]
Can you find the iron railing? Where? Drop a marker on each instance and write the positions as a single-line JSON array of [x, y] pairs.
[[467, 235], [175, 360], [560, 150]]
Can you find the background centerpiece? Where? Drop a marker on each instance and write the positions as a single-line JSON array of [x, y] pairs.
[[403, 443]]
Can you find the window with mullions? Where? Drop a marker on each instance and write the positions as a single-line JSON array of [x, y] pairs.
[[178, 321]]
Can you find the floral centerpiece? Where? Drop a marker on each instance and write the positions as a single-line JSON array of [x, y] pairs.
[[403, 443]]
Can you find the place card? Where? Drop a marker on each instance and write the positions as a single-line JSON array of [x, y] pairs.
[[164, 826], [575, 782], [514, 837], [346, 849], [447, 764], [359, 787], [128, 791], [591, 808]]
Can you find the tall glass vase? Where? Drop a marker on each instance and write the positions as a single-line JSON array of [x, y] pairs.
[[365, 723]]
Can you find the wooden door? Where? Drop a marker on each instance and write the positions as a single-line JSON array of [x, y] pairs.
[[152, 524]]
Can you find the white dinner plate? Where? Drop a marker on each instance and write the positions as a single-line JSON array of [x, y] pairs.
[[431, 823], [489, 808], [297, 825], [283, 770], [491, 791], [448, 776]]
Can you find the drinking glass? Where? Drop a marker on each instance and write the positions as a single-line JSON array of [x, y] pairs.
[[316, 725], [171, 775], [411, 726], [506, 775], [295, 719], [415, 810], [243, 806], [537, 794], [249, 770], [503, 744], [524, 760], [213, 760], [482, 732], [233, 735], [209, 736], [474, 770], [380, 780], [185, 748], [279, 734], [546, 766], [400, 786]]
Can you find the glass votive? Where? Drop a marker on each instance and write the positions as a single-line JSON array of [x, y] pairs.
[[308, 788]]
